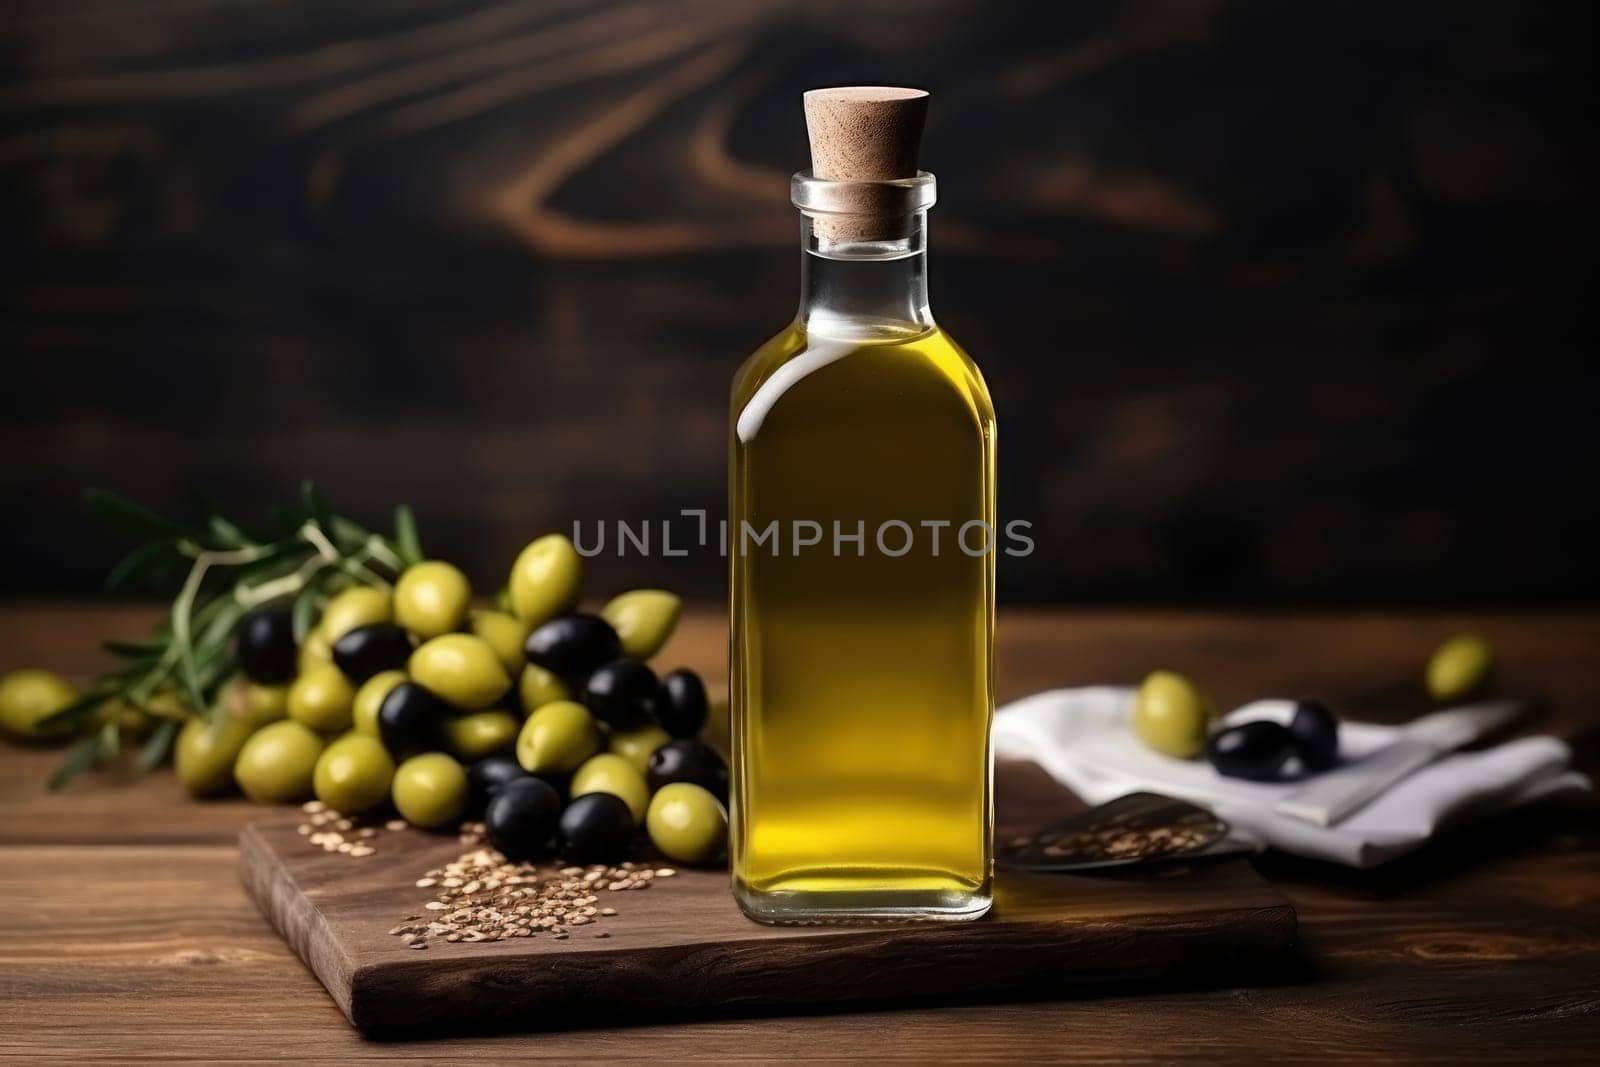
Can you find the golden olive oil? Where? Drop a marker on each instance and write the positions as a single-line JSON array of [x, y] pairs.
[[862, 680]]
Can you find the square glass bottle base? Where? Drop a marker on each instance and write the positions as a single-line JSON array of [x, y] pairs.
[[833, 899]]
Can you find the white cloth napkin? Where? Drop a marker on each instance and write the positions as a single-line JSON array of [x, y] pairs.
[[1084, 739]]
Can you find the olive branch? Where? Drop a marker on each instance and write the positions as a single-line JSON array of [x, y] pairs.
[[307, 554]]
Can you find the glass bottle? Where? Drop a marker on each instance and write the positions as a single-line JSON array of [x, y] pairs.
[[861, 545]]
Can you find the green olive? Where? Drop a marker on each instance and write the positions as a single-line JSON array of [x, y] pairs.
[[28, 696], [537, 687], [361, 606], [480, 734], [369, 698], [322, 699], [432, 598], [315, 651], [205, 753], [637, 746], [353, 774], [502, 599], [253, 703], [430, 790], [506, 634], [546, 579], [557, 738], [168, 704], [461, 669], [643, 619], [687, 823], [614, 774], [276, 763], [1459, 667], [131, 722], [1171, 715], [261, 704], [165, 704]]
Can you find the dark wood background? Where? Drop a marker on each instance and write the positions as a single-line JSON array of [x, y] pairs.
[[1278, 302]]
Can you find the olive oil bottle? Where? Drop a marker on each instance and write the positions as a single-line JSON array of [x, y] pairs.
[[861, 541]]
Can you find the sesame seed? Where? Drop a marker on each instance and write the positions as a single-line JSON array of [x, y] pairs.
[[481, 898]]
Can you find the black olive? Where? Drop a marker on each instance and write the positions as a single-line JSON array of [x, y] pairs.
[[368, 650], [521, 817], [409, 718], [681, 705], [485, 777], [1253, 750], [1316, 735], [266, 646], [686, 760], [573, 645], [596, 828], [622, 694]]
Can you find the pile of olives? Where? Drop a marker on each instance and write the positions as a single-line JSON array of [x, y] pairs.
[[544, 721]]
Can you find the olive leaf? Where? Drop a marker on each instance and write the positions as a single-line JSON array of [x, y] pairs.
[[108, 742], [316, 507], [226, 533], [79, 759], [131, 649], [118, 511], [157, 748], [406, 541], [143, 562], [304, 612]]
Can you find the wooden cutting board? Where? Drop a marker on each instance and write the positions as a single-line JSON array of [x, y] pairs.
[[682, 947]]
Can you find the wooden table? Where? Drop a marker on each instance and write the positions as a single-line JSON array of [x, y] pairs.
[[124, 932]]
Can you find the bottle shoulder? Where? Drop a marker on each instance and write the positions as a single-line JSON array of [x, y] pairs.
[[906, 368], [772, 354], [965, 368]]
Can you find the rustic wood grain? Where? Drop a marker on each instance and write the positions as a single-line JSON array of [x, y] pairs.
[[1482, 947], [682, 947], [1277, 301]]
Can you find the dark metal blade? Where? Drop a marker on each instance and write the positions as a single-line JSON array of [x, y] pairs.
[[1137, 828]]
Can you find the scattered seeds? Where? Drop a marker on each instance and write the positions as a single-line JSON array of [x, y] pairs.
[[481, 898], [334, 827]]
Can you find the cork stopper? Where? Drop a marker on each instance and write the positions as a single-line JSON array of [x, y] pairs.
[[864, 133]]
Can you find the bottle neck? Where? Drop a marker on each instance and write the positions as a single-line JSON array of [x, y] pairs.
[[865, 289]]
